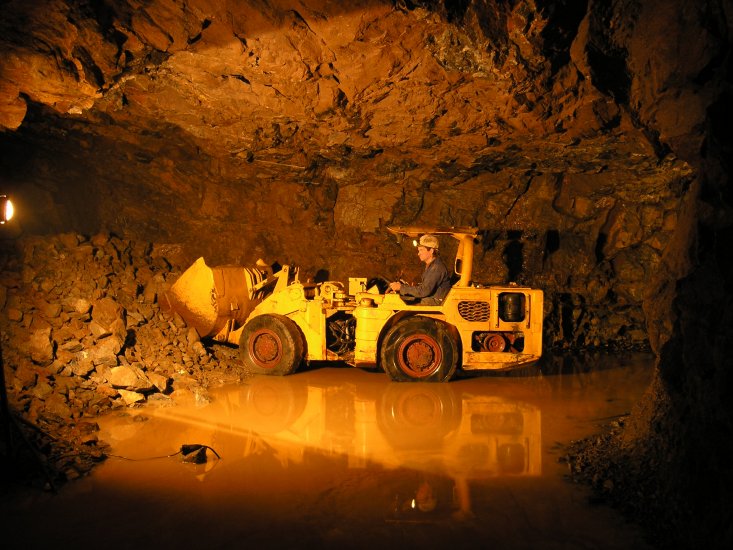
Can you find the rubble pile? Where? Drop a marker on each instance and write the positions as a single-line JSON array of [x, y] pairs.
[[83, 333], [629, 481]]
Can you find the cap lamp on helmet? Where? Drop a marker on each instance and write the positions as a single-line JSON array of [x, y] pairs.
[[428, 241]]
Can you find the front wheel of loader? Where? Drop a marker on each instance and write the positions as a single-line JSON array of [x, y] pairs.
[[271, 344], [419, 349]]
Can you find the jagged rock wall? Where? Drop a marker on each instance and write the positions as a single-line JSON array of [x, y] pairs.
[[297, 131], [667, 467]]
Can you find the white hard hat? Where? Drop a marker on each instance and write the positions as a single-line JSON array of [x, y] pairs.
[[428, 241]]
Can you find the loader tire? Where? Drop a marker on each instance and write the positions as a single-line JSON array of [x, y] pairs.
[[274, 403], [416, 417], [271, 344], [419, 349]]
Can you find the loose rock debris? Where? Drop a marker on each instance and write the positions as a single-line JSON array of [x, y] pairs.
[[626, 478], [82, 334]]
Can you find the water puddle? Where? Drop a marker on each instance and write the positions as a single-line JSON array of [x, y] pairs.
[[339, 457]]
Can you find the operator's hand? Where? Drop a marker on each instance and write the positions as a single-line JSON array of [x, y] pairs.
[[395, 287]]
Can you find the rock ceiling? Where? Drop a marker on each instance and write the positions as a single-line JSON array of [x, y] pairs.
[[296, 130]]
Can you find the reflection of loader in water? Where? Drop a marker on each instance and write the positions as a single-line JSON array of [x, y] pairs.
[[279, 322], [477, 435], [453, 441], [418, 426], [423, 442]]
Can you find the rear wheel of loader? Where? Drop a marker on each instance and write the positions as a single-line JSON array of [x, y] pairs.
[[419, 349], [271, 344]]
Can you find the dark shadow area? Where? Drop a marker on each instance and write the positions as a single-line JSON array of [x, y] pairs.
[[513, 256], [321, 276], [552, 243], [600, 244]]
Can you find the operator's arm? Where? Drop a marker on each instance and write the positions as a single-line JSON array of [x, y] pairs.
[[431, 277]]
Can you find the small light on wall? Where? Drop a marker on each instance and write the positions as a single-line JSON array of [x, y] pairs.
[[6, 209]]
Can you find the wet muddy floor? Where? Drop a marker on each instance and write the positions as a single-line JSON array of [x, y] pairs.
[[343, 458]]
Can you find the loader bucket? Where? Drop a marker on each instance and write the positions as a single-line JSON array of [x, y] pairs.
[[208, 298]]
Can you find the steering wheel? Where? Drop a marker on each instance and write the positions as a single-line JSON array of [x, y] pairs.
[[390, 291]]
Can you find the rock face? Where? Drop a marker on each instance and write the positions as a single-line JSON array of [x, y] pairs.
[[297, 131], [587, 140]]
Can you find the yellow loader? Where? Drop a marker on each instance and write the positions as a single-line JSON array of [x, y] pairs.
[[280, 323]]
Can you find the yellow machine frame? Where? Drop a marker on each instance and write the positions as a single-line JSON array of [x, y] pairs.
[[475, 327]]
